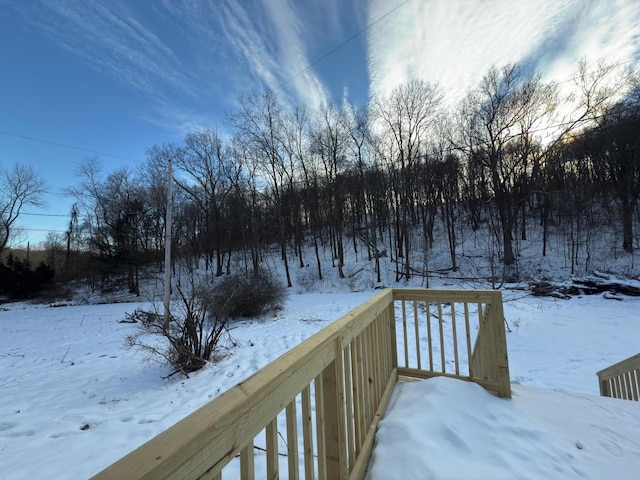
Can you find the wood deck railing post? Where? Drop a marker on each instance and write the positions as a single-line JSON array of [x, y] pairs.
[[333, 400], [604, 388], [391, 316], [499, 340]]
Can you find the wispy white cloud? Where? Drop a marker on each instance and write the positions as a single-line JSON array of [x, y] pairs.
[[272, 38], [280, 39], [177, 119], [108, 37], [455, 42], [247, 38], [191, 57], [163, 55], [292, 36]]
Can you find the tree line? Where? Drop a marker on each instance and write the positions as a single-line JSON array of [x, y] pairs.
[[377, 180]]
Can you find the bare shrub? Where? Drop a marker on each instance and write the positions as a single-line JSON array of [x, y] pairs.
[[193, 335], [250, 296], [199, 319]]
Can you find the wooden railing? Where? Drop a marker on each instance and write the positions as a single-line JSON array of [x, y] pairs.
[[314, 411], [621, 380], [449, 319]]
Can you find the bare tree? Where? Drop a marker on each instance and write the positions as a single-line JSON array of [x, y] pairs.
[[598, 94], [20, 186], [260, 123], [498, 122], [613, 148], [328, 143], [403, 121], [211, 176], [114, 210], [356, 124], [295, 148], [247, 205]]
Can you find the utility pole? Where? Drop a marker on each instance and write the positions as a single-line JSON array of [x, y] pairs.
[[167, 249]]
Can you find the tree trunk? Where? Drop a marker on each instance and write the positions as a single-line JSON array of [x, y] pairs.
[[318, 263], [283, 250], [627, 226]]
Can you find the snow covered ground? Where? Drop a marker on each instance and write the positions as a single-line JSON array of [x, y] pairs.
[[73, 400], [449, 429]]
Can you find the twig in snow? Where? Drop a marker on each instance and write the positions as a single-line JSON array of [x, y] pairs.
[[65, 354], [9, 382], [179, 370]]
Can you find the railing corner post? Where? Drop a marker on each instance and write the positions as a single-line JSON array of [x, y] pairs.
[[604, 387], [392, 328], [333, 401], [500, 345]]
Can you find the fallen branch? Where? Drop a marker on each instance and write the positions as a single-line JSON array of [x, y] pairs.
[[595, 284]]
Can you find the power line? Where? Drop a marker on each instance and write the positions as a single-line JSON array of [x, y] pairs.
[[21, 229], [65, 145], [45, 214]]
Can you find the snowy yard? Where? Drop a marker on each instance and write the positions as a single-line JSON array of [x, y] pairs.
[[73, 400], [448, 429]]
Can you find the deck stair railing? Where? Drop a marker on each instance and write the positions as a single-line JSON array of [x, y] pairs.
[[621, 380], [313, 412]]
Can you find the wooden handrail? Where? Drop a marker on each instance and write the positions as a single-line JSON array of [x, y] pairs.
[[331, 391], [621, 380]]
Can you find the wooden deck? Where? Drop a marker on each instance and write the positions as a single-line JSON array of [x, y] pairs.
[[313, 412], [621, 380]]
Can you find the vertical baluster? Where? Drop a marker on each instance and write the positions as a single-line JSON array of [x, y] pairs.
[[441, 326], [404, 331], [623, 386], [385, 352], [479, 345], [362, 385], [468, 335], [371, 355], [320, 430], [292, 440], [389, 341], [365, 379], [377, 383], [247, 471], [355, 386], [627, 381], [272, 449], [455, 338], [429, 338], [417, 332], [612, 386], [635, 379], [349, 418], [307, 433]]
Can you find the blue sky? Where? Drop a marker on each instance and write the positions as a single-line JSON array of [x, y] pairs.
[[119, 76]]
